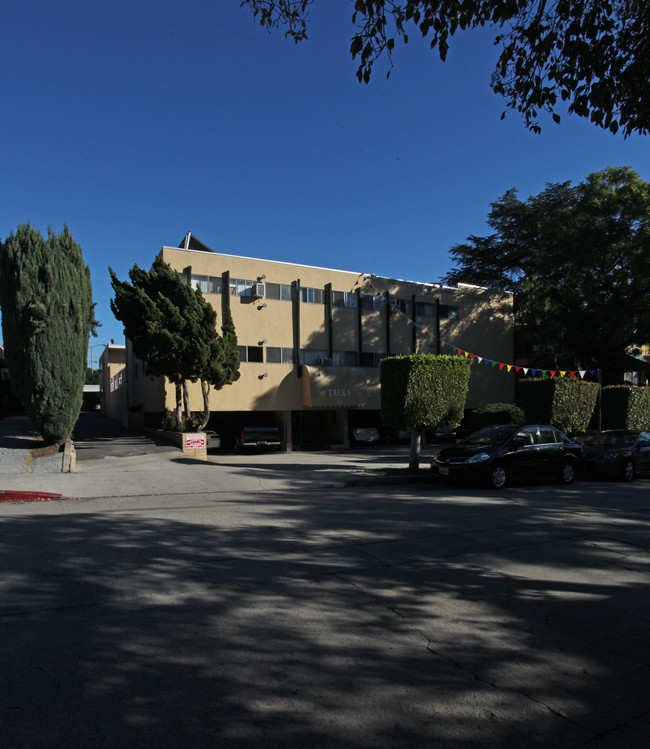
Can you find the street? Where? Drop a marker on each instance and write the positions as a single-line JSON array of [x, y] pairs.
[[264, 602]]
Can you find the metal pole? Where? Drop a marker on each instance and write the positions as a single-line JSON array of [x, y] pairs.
[[600, 400]]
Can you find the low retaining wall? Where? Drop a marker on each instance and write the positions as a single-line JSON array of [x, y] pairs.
[[193, 444]]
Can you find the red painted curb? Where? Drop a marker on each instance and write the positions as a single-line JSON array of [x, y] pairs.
[[18, 496]]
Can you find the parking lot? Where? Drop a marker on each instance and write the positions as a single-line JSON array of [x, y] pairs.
[[300, 600]]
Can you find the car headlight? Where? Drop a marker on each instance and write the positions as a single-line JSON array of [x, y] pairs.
[[478, 458]]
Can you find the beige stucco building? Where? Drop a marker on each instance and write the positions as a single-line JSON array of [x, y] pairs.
[[112, 382], [311, 340]]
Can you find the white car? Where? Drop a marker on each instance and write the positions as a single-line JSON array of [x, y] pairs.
[[365, 434], [213, 441]]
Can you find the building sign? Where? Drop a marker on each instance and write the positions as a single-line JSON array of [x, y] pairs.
[[326, 387], [339, 393]]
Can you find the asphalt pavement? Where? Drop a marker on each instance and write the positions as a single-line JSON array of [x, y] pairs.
[[273, 600]]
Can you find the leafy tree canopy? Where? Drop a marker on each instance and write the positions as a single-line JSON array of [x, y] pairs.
[[173, 328], [578, 261], [592, 54]]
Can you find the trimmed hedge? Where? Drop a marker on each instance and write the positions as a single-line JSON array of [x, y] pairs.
[[626, 407], [567, 404], [423, 390], [494, 413]]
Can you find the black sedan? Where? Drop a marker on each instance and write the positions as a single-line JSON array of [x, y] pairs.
[[618, 453], [498, 454]]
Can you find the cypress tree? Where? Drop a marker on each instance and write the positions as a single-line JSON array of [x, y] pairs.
[[47, 317], [174, 329], [222, 360]]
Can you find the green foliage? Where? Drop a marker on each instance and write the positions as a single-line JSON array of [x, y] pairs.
[[423, 390], [157, 311], [591, 57], [494, 413], [626, 407], [578, 261], [92, 376], [567, 404], [170, 423], [173, 328], [47, 318], [223, 364]]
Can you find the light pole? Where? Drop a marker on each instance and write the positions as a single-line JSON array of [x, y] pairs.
[[90, 348]]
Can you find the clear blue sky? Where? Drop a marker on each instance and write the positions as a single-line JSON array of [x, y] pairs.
[[135, 121]]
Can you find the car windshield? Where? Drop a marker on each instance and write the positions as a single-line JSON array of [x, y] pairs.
[[489, 436], [613, 439]]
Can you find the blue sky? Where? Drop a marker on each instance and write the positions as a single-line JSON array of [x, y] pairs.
[[135, 121]]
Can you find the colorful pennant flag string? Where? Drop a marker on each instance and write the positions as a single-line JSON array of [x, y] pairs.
[[533, 372]]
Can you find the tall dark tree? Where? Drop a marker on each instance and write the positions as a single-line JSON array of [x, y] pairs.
[[47, 317], [592, 56], [152, 322], [578, 261], [173, 328]]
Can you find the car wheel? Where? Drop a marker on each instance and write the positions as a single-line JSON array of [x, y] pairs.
[[498, 476], [567, 472], [627, 474]]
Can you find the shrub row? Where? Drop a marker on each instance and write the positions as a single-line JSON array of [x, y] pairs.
[[567, 404], [626, 407], [494, 413]]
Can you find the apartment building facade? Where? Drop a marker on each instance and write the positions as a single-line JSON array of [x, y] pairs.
[[311, 340]]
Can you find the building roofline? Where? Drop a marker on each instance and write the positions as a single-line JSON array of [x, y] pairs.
[[431, 284]]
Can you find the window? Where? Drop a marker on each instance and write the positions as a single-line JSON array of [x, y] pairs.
[[370, 359], [255, 354], [207, 284], [277, 355], [311, 296], [349, 358], [403, 305], [278, 291], [313, 356], [425, 309], [344, 299], [546, 435], [372, 302], [239, 287], [448, 312], [250, 353]]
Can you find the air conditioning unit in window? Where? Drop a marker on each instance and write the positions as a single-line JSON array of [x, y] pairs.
[[324, 361], [258, 290]]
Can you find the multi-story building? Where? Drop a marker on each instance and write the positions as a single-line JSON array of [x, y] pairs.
[[311, 339], [112, 382]]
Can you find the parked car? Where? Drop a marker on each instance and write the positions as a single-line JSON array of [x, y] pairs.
[[258, 436], [431, 435], [213, 441], [618, 453], [394, 436], [441, 434], [498, 454], [364, 434]]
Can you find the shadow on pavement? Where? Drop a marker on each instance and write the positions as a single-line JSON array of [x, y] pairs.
[[326, 619]]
